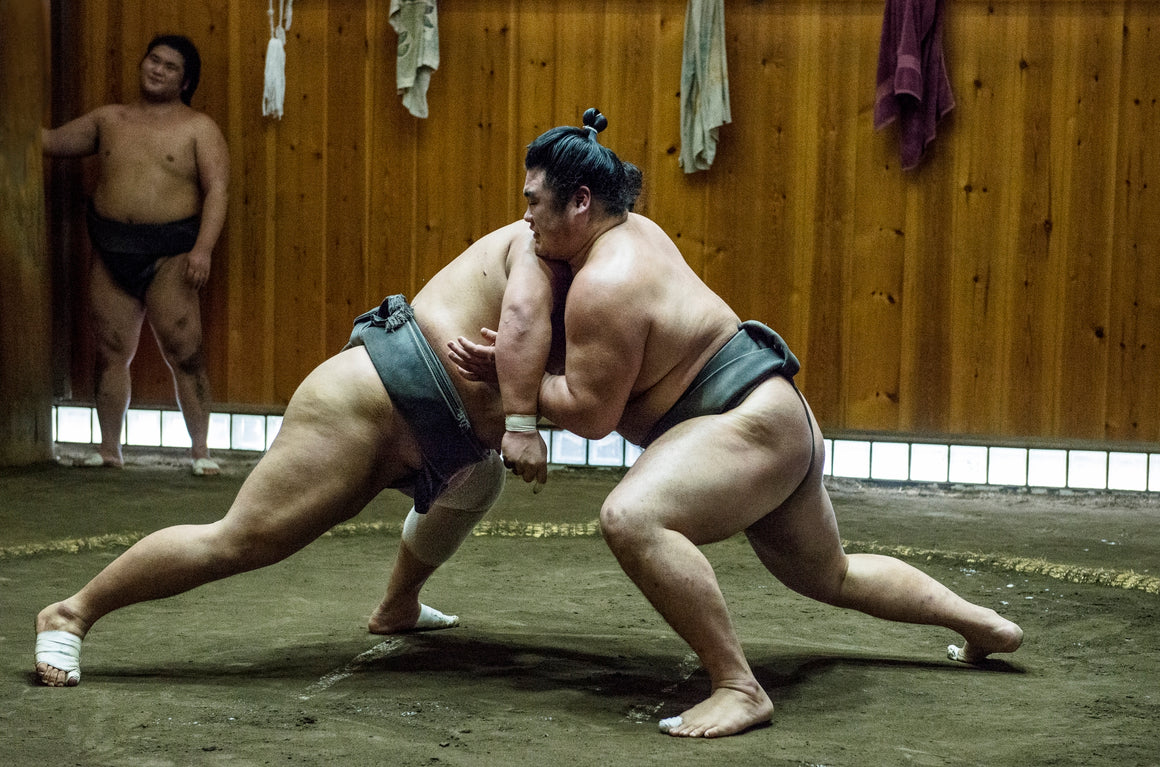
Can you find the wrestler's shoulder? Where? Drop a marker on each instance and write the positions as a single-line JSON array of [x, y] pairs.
[[197, 120], [109, 113], [507, 242], [515, 232]]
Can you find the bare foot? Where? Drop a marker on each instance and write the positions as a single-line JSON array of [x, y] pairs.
[[1005, 636], [725, 712], [206, 467], [388, 620], [58, 646], [99, 460]]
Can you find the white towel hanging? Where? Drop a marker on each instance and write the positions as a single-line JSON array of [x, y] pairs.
[[274, 93]]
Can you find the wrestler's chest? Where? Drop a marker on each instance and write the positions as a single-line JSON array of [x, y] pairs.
[[152, 148]]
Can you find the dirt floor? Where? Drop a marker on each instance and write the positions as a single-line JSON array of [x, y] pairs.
[[559, 659]]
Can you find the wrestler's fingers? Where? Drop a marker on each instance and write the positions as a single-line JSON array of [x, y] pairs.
[[489, 335], [476, 351], [469, 369]]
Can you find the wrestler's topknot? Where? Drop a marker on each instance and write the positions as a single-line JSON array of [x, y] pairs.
[[594, 122]]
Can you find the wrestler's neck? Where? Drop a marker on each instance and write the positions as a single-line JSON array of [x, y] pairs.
[[596, 229], [160, 105]]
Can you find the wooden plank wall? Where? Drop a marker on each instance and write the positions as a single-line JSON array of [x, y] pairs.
[[25, 305], [1008, 288]]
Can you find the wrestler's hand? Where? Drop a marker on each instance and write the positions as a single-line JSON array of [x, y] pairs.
[[526, 454], [197, 268], [475, 362]]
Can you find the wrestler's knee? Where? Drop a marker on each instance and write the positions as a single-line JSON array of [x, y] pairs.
[[236, 547], [819, 581], [113, 350], [187, 363], [433, 537], [104, 362], [621, 528]]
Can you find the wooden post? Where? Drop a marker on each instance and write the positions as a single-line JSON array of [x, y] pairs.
[[25, 276]]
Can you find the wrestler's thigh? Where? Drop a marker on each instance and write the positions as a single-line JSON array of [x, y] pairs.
[[117, 316], [340, 444], [713, 476], [799, 542], [174, 309]]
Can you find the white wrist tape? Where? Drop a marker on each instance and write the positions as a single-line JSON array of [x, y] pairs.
[[520, 422]]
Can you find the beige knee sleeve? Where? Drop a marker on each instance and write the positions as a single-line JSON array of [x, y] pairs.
[[433, 537]]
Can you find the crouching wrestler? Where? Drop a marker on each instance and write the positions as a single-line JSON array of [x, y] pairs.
[[387, 411]]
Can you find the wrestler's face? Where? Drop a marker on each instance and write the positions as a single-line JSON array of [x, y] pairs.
[[162, 74], [550, 221]]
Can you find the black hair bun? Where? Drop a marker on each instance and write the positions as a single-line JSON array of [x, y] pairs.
[[593, 119]]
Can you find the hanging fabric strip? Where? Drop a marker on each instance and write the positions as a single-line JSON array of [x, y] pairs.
[[912, 83], [275, 91], [704, 84], [417, 24]]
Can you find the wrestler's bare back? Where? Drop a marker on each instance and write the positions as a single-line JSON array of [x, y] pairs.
[[465, 296], [149, 161]]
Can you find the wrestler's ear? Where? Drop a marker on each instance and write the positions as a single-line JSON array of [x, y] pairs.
[[582, 199]]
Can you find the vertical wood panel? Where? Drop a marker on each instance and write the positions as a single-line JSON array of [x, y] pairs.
[[1030, 395], [394, 180], [345, 158], [978, 286], [742, 241], [1087, 196], [248, 315], [1134, 310], [25, 329], [300, 206]]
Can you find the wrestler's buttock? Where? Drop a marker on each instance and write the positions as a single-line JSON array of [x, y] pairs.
[[776, 400]]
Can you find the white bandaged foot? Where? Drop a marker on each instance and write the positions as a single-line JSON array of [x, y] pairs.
[[206, 467], [672, 723], [61, 650], [431, 619], [957, 653], [96, 461]]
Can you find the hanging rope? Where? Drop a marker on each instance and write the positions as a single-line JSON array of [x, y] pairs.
[[275, 91]]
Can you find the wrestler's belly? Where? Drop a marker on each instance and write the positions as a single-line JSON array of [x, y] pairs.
[[645, 408], [642, 413], [156, 203]]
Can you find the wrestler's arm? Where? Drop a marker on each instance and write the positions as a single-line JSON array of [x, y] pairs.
[[522, 346], [76, 138], [524, 335], [213, 173], [605, 347]]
